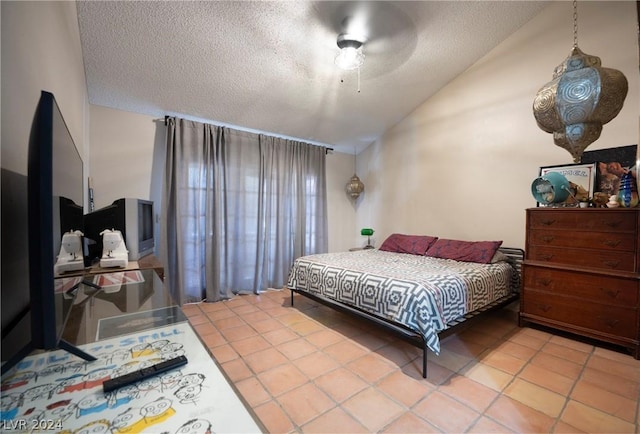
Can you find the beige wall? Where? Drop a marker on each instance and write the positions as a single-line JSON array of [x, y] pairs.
[[122, 150], [40, 51], [342, 209], [461, 165]]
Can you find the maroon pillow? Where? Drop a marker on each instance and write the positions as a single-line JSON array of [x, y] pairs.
[[467, 251], [413, 244]]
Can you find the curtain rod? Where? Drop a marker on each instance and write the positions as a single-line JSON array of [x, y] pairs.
[[326, 149]]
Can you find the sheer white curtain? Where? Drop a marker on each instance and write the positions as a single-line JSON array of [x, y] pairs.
[[238, 208]]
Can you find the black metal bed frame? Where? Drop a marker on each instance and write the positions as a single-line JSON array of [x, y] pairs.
[[515, 255]]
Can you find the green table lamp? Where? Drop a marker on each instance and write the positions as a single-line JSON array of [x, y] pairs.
[[367, 232]]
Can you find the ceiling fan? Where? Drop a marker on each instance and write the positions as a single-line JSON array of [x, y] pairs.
[[380, 31]]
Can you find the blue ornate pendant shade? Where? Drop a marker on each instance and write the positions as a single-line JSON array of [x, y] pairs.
[[581, 98]]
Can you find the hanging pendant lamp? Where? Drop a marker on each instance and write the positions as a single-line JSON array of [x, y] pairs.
[[581, 98], [354, 186]]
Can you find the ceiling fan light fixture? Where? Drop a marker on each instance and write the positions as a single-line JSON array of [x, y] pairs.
[[351, 55]]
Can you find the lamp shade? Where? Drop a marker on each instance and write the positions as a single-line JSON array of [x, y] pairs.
[[581, 98], [366, 232]]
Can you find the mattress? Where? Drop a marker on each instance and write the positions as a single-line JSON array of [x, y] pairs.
[[421, 293]]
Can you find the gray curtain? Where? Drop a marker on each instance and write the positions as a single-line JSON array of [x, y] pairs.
[[238, 208]]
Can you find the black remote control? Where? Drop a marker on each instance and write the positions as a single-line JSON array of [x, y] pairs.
[[144, 373]]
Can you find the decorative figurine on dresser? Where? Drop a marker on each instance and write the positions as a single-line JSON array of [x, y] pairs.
[[581, 273]]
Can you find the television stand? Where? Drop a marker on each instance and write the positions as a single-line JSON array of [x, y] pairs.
[[27, 349], [70, 348]]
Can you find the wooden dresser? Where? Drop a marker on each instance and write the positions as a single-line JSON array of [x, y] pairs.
[[581, 273]]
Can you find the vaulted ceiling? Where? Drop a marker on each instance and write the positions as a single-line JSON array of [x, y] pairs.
[[269, 65]]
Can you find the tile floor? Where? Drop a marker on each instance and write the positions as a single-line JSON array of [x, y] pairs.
[[309, 368]]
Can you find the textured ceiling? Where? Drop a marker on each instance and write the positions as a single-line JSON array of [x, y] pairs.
[[269, 66]]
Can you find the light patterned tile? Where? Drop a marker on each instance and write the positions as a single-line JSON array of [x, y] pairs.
[[265, 359], [622, 357], [315, 364], [543, 377], [341, 384], [253, 391], [345, 351], [274, 419], [607, 402], [485, 425], [335, 421], [615, 367], [555, 364], [536, 397], [612, 383], [589, 419], [566, 353], [281, 379], [469, 392], [324, 338], [224, 353], [372, 409], [410, 423], [405, 389], [571, 343], [250, 345], [529, 338], [445, 413], [305, 403], [449, 359], [516, 350], [503, 361], [371, 367], [296, 348], [489, 376], [519, 417]]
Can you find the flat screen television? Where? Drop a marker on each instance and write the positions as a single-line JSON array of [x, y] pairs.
[[132, 217], [54, 206]]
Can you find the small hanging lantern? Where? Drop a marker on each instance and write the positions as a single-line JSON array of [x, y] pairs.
[[355, 186], [581, 98]]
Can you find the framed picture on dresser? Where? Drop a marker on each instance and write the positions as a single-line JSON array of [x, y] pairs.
[[611, 164]]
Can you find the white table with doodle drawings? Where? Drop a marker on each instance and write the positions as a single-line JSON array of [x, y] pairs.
[[58, 392]]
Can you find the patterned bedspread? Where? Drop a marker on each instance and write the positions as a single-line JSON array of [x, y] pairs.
[[419, 292]]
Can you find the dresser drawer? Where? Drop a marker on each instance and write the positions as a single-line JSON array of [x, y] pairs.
[[602, 259], [597, 288], [591, 240], [583, 220], [610, 320]]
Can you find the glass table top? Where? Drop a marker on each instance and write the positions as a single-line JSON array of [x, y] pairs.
[[126, 302]]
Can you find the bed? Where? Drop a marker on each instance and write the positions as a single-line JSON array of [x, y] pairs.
[[408, 291]]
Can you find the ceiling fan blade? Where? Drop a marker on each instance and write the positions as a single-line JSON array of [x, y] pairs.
[[371, 20]]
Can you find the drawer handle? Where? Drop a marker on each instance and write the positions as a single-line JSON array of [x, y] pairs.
[[548, 238], [544, 282], [611, 292], [611, 264], [548, 222], [611, 243], [546, 257], [612, 224]]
